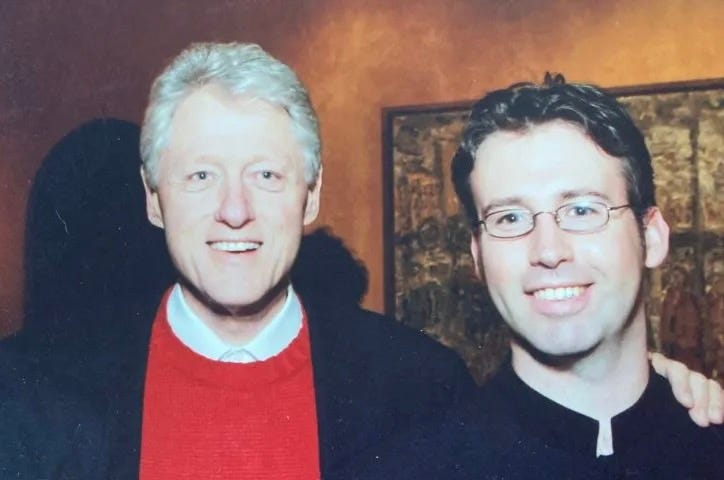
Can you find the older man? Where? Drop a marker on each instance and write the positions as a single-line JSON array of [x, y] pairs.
[[558, 185], [239, 377]]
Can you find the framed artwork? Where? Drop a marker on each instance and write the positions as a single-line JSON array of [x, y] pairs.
[[429, 278]]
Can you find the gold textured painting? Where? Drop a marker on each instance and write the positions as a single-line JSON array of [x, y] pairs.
[[429, 273]]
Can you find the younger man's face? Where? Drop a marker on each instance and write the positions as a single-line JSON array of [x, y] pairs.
[[563, 292]]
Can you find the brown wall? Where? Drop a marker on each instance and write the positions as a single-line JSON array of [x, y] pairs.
[[65, 62]]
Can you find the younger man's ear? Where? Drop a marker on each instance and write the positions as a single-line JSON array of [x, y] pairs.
[[153, 207], [656, 238]]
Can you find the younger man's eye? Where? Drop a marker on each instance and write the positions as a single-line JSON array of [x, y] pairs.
[[585, 209], [509, 218]]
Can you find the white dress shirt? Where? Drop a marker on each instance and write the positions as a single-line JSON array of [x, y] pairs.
[[270, 341]]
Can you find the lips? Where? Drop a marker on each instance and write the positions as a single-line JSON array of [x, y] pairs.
[[234, 246], [560, 300]]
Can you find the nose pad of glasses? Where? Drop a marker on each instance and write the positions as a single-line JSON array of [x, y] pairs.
[[555, 216]]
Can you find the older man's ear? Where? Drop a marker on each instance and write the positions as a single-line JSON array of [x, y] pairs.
[[311, 208], [153, 207]]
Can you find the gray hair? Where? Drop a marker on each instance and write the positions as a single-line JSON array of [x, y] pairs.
[[242, 69]]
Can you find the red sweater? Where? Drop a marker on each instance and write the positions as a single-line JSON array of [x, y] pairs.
[[209, 420]]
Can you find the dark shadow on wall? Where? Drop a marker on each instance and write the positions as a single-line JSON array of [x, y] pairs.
[[94, 265], [327, 271]]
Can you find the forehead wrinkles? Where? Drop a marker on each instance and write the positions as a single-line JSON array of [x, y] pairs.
[[212, 124], [205, 115]]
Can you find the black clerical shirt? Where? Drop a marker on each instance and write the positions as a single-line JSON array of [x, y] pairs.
[[511, 431]]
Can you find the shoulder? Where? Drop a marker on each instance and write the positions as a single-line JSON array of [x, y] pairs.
[[669, 414], [49, 422], [355, 324], [380, 339], [374, 357], [679, 443]]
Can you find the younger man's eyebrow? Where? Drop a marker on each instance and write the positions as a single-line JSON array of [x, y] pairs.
[[565, 196], [573, 194], [501, 202]]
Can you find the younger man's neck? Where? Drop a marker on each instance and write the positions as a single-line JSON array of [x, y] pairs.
[[599, 385]]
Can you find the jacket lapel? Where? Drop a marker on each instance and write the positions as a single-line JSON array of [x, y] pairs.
[[334, 371]]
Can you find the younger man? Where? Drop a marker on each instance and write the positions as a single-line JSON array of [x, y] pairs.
[[558, 184]]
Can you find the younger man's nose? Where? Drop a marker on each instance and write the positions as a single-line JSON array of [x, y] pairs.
[[549, 245]]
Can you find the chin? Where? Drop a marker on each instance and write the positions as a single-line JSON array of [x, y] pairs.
[[254, 300], [235, 306], [555, 353], [235, 296], [562, 358]]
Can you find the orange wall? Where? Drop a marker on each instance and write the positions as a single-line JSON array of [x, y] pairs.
[[62, 63]]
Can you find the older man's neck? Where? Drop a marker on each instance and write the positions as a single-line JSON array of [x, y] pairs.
[[239, 326]]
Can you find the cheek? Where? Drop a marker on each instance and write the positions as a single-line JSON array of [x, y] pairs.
[[279, 210], [182, 208], [501, 264], [613, 251]]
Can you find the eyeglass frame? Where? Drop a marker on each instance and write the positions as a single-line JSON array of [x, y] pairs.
[[555, 213]]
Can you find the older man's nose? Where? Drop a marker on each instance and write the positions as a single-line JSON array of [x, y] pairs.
[[235, 207]]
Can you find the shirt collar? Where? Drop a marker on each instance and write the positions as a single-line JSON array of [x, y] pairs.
[[197, 336], [562, 428]]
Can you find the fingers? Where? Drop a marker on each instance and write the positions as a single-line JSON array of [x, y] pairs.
[[703, 397], [700, 389], [716, 402], [678, 375]]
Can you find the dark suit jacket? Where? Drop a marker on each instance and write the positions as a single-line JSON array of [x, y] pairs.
[[47, 429], [373, 378]]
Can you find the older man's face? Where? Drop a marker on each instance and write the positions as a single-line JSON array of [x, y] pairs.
[[232, 199]]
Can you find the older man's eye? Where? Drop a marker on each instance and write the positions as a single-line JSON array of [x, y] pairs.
[[197, 181], [269, 180]]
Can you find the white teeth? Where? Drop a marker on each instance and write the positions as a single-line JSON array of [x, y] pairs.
[[560, 293], [235, 246]]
